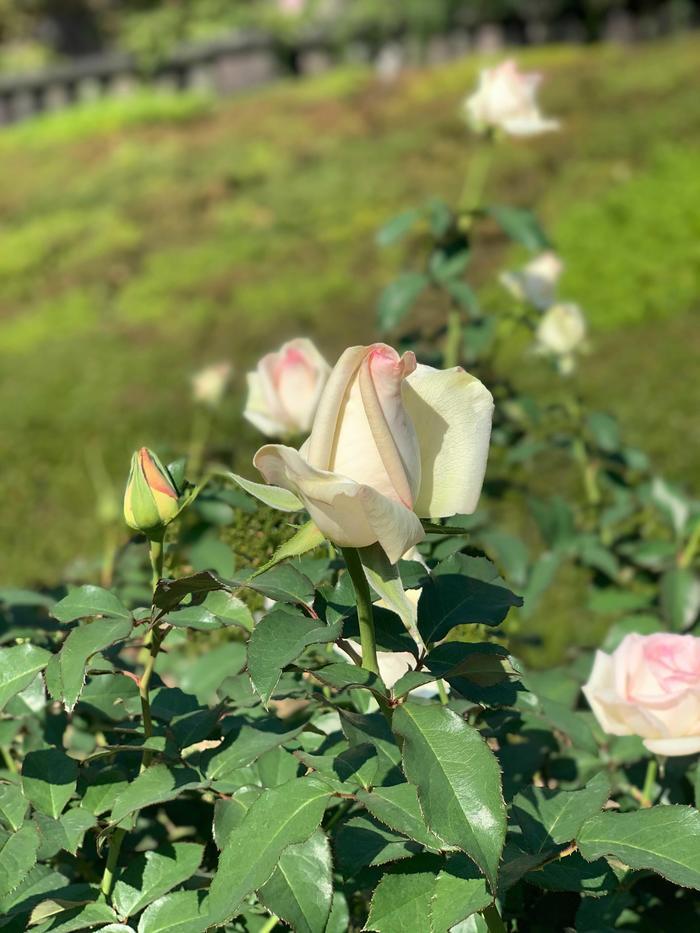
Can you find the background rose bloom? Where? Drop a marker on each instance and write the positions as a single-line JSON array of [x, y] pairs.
[[506, 99], [650, 686], [560, 333], [537, 281], [209, 384], [284, 390], [391, 441]]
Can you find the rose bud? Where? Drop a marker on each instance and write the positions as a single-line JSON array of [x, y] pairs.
[[151, 496], [505, 99], [392, 442], [650, 686], [285, 388]]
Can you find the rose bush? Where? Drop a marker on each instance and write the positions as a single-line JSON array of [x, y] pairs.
[[391, 442]]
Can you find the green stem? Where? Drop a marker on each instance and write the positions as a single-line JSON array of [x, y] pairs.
[[442, 693], [365, 614], [201, 428], [157, 553], [109, 553], [453, 339], [649, 781], [144, 684], [475, 181], [10, 763], [691, 548], [115, 845], [269, 925], [493, 920]]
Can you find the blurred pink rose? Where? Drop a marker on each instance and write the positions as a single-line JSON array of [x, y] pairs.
[[650, 686], [285, 388], [506, 99], [391, 441]]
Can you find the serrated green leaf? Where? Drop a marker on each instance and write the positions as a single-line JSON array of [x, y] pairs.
[[279, 638], [49, 780], [66, 833], [573, 873], [230, 812], [300, 889], [65, 672], [206, 673], [229, 609], [33, 887], [462, 590], [17, 856], [402, 899], [362, 841], [344, 676], [156, 784], [87, 601], [102, 789], [460, 891], [13, 805], [397, 227], [19, 665], [308, 537], [356, 765], [520, 225], [244, 744], [179, 912], [680, 598], [662, 839], [550, 818], [149, 875], [398, 298], [458, 781], [280, 817], [76, 918], [398, 808]]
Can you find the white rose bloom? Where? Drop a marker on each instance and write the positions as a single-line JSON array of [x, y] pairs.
[[506, 99], [537, 281], [560, 333], [391, 441], [209, 384]]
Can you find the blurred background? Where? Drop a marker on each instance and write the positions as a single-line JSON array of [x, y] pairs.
[[184, 183]]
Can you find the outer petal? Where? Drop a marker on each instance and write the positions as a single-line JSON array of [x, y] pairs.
[[348, 513], [300, 375], [321, 442], [686, 745], [257, 409], [452, 413]]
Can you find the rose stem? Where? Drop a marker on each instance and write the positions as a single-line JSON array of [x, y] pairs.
[[365, 615]]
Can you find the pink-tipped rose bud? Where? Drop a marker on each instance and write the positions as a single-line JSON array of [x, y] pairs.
[[285, 388], [650, 686], [151, 496]]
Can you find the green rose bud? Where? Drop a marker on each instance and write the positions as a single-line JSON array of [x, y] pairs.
[[151, 496]]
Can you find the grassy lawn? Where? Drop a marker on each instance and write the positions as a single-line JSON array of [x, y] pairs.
[[143, 238]]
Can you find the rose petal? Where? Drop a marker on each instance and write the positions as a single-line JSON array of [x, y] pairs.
[[348, 513], [452, 413]]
